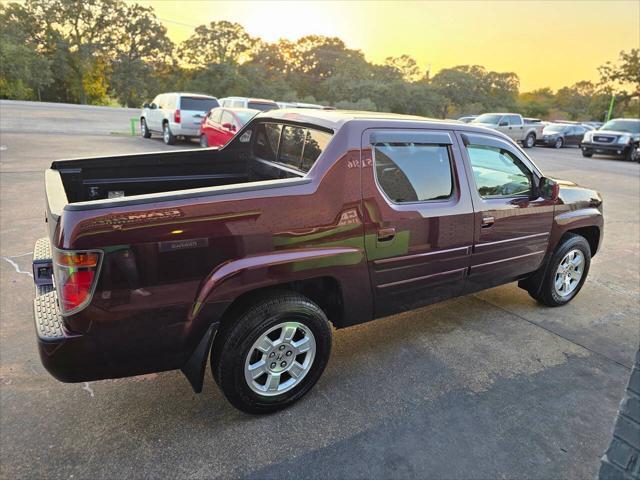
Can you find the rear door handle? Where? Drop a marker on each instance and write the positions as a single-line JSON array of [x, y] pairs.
[[386, 234], [487, 222]]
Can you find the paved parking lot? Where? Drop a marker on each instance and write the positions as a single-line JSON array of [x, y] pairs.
[[486, 386]]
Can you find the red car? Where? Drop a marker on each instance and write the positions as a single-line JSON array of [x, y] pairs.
[[221, 124]]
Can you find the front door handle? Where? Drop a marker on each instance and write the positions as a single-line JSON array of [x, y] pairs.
[[386, 234], [487, 222]]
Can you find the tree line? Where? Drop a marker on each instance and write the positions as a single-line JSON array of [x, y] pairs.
[[110, 51]]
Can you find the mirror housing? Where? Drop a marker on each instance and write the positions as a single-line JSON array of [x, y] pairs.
[[228, 126], [503, 124], [145, 105], [549, 189]]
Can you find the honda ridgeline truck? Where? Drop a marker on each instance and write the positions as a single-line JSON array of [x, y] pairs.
[[249, 254]]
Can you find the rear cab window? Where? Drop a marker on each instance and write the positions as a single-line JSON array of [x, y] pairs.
[[262, 106], [293, 147], [198, 104]]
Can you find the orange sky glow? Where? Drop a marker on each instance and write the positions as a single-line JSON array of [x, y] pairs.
[[547, 43]]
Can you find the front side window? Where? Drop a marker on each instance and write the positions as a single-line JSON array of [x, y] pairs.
[[498, 173], [226, 118], [215, 115], [413, 172]]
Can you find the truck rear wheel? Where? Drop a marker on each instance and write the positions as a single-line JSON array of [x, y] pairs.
[[272, 353], [168, 137], [566, 272], [529, 141]]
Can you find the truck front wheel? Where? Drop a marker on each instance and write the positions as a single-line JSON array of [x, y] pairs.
[[566, 272], [272, 353]]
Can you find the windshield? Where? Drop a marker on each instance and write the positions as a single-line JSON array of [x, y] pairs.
[[629, 126], [555, 128], [198, 104], [262, 106], [488, 118], [246, 115]]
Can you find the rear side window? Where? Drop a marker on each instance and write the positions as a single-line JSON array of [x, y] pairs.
[[198, 104], [262, 106], [498, 173], [293, 146], [413, 172], [515, 120]]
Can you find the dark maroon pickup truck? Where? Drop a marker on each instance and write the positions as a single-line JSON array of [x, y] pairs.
[[250, 253]]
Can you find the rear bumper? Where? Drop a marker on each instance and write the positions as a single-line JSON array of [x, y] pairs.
[[113, 348], [185, 131], [615, 149], [68, 357]]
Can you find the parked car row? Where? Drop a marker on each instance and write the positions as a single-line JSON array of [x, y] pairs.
[[618, 137], [211, 120]]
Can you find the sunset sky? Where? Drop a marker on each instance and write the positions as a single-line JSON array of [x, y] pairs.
[[547, 43]]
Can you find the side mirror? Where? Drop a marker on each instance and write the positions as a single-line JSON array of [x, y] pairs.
[[503, 124], [228, 126], [145, 105], [549, 189]]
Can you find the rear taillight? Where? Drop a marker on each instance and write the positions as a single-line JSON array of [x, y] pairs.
[[176, 116], [75, 274]]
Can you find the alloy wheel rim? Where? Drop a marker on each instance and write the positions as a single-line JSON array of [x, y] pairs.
[[558, 143], [166, 134], [280, 359], [143, 127], [569, 273], [530, 141]]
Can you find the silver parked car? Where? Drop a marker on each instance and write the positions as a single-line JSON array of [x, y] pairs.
[[175, 114]]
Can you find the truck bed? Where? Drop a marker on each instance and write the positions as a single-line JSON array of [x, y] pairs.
[[70, 182]]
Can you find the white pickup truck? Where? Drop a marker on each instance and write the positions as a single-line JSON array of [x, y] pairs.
[[512, 125]]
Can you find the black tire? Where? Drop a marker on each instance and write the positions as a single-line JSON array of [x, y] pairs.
[[167, 137], [559, 143], [144, 130], [203, 141], [546, 293], [236, 337], [529, 141], [631, 154], [587, 153]]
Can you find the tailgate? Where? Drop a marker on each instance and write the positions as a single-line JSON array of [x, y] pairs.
[[56, 199]]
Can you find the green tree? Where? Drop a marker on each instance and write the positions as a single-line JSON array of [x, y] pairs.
[[85, 31], [24, 70], [220, 42], [406, 66], [142, 50]]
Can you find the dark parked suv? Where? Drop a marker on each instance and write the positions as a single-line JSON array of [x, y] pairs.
[[308, 219], [618, 137]]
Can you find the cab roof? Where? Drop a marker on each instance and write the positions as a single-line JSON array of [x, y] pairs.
[[334, 119]]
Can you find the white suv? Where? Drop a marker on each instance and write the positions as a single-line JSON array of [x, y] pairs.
[[244, 102], [176, 114]]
